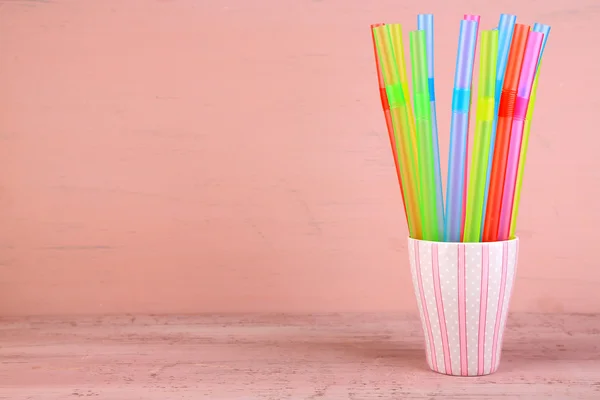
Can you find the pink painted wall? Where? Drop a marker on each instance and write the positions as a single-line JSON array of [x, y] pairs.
[[191, 156]]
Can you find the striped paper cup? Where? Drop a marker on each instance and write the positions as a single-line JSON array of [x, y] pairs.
[[463, 291]]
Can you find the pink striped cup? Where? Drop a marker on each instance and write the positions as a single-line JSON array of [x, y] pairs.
[[463, 292]]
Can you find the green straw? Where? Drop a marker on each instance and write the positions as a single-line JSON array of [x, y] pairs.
[[484, 118], [426, 170]]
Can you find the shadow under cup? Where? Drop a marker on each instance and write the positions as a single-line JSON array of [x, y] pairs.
[[463, 292]]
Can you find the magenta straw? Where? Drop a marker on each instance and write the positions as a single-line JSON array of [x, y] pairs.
[[530, 62]]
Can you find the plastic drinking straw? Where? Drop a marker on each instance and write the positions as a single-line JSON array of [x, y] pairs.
[[503, 130], [426, 172], [484, 120], [545, 29], [530, 61], [399, 113], [458, 130], [469, 17], [425, 23], [506, 28], [395, 30], [388, 116]]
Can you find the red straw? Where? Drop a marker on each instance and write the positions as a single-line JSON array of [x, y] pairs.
[[505, 118]]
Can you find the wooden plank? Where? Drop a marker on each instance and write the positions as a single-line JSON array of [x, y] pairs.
[[328, 356]]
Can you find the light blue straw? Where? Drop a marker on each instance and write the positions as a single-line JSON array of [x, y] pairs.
[[506, 26], [545, 29], [425, 23], [459, 127]]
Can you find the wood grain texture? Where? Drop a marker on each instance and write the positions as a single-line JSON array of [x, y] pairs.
[[327, 356]]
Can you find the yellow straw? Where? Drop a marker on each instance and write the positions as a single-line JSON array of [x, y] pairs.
[[484, 120], [398, 47], [523, 155]]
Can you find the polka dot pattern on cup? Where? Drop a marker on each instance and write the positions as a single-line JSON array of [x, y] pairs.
[[443, 312], [431, 302], [448, 270], [473, 265], [494, 280], [426, 330], [511, 261]]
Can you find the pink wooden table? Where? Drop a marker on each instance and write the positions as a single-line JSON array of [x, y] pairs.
[[332, 356]]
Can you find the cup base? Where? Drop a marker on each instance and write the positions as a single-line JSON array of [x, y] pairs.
[[463, 376]]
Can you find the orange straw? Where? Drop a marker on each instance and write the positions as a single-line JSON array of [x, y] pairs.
[[505, 118], [388, 116]]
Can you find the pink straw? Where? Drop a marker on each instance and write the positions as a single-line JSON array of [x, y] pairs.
[[530, 61]]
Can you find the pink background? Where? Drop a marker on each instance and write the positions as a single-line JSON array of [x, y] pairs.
[[191, 156]]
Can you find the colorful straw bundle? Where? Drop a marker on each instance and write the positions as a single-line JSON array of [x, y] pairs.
[[484, 185]]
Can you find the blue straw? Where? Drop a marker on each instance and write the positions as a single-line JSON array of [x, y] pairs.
[[425, 23], [545, 29], [459, 128], [506, 26]]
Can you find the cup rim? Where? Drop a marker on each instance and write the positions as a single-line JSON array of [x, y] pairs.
[[515, 239]]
